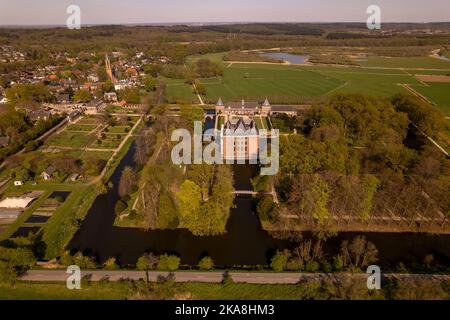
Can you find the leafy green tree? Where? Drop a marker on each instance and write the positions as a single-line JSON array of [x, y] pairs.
[[189, 202], [148, 261], [206, 263], [84, 262], [22, 174], [130, 95], [266, 209], [168, 262], [149, 83], [14, 262], [111, 264], [28, 93], [82, 96], [279, 260], [167, 213]]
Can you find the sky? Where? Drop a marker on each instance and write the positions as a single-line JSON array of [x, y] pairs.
[[53, 12]]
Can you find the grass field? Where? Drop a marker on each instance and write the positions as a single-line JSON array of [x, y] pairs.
[[368, 81], [81, 127], [416, 62], [178, 90], [254, 82], [124, 290], [70, 139], [438, 93]]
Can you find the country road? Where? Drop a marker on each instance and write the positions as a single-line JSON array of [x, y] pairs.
[[217, 277]]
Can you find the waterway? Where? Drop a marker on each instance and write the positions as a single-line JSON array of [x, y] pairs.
[[288, 57], [245, 242]]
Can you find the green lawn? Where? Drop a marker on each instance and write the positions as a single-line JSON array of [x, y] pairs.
[[279, 83], [437, 92], [178, 90], [415, 62], [70, 139], [59, 291], [123, 290], [81, 127], [118, 129]]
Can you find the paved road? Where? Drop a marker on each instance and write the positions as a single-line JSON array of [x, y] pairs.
[[215, 277]]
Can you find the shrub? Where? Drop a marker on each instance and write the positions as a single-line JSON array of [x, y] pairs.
[[147, 261], [168, 262], [206, 263], [111, 264], [279, 260]]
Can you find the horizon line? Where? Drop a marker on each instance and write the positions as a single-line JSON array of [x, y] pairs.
[[200, 23]]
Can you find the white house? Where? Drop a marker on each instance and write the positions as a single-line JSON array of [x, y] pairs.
[[48, 174]]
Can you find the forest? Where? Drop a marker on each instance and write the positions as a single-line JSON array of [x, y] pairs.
[[361, 163]]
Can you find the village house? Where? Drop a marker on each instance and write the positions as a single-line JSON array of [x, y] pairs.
[[63, 99], [36, 115], [48, 173], [95, 106], [110, 97]]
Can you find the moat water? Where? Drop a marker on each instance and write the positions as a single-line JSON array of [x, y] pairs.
[[245, 242]]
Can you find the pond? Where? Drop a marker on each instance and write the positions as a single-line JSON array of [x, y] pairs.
[[245, 242], [288, 57]]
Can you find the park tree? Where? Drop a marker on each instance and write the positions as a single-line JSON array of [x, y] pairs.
[[28, 92], [206, 263], [358, 253], [82, 96], [130, 95], [148, 261], [189, 203], [279, 260], [167, 213], [205, 68], [168, 263]]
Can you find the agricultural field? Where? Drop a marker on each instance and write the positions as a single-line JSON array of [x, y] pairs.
[[369, 81], [408, 63], [279, 83], [295, 84], [438, 93]]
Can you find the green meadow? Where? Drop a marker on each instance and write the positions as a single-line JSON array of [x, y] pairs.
[[255, 81], [177, 90], [438, 93], [409, 63]]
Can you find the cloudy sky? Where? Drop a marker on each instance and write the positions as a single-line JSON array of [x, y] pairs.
[[50, 12]]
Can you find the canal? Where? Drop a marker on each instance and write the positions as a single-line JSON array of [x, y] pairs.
[[245, 242]]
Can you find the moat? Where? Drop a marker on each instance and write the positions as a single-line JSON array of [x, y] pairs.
[[245, 243]]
